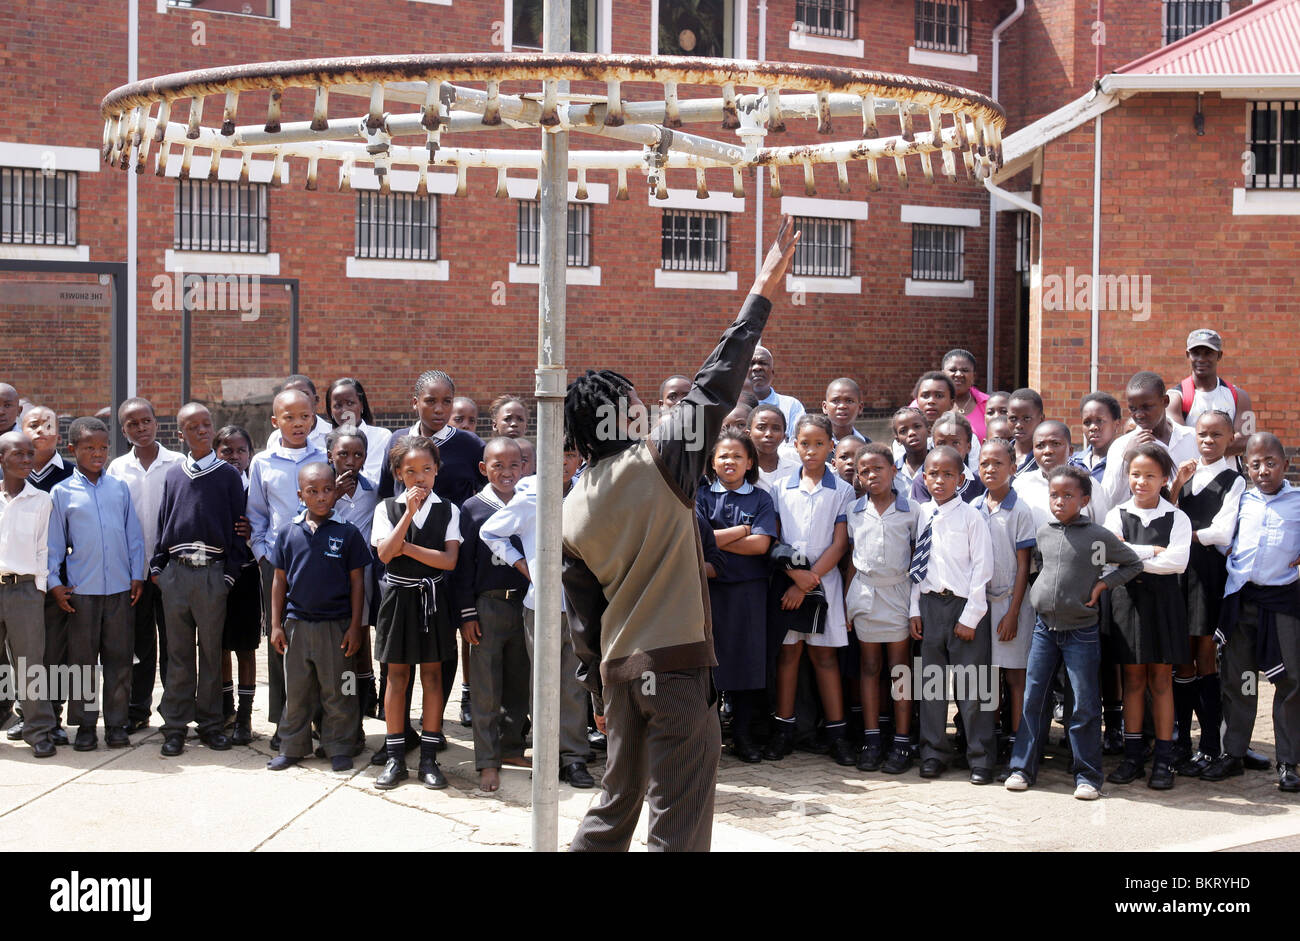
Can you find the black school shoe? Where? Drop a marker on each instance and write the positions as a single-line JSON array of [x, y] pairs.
[[981, 775], [217, 741], [899, 760], [1287, 779], [1222, 768], [746, 750], [44, 749], [1193, 766], [575, 774], [430, 775], [781, 743], [870, 758], [1112, 742], [466, 715], [843, 752], [116, 737], [59, 736], [1129, 770], [931, 768], [15, 732], [173, 744], [1162, 776], [394, 773], [86, 739], [596, 740], [1254, 761]]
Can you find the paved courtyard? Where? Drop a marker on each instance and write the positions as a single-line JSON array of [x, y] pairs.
[[134, 799]]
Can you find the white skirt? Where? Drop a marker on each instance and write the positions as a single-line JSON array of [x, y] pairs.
[[836, 633], [878, 613], [1012, 654]]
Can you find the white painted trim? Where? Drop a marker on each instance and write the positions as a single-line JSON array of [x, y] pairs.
[[810, 285], [739, 28], [441, 3], [524, 188], [1137, 82], [939, 288], [943, 60], [403, 181], [285, 20], [1263, 92], [259, 171], [1002, 205], [531, 274], [940, 215], [696, 280], [827, 45], [222, 262], [41, 157], [391, 270], [1265, 202], [686, 199], [823, 208], [604, 23], [45, 252]]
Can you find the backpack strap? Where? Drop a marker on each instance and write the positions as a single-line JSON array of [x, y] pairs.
[[1187, 389]]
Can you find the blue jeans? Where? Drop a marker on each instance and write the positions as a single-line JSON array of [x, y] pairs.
[[1081, 650]]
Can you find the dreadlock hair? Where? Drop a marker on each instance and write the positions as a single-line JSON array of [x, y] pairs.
[[430, 376], [586, 402]]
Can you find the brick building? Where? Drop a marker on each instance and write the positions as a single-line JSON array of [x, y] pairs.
[[345, 291]]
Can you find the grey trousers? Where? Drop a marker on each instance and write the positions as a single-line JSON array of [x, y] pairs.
[[940, 646], [194, 611], [500, 673], [314, 672], [274, 659], [664, 741], [573, 698], [56, 649], [102, 630], [22, 629], [1238, 672]]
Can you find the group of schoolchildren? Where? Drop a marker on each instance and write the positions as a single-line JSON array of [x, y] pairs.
[[976, 557], [188, 560], [979, 558]]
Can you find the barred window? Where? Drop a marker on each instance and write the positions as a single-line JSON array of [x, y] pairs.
[[528, 234], [266, 8], [1274, 131], [825, 248], [526, 28], [38, 207], [1184, 17], [825, 17], [220, 216], [937, 252], [693, 241], [942, 25], [399, 226], [1024, 232]]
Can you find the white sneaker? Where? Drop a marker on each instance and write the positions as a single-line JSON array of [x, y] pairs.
[[1086, 792], [1017, 782]]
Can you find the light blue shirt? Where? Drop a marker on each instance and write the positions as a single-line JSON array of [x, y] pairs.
[[97, 522], [273, 492], [1267, 539], [516, 518]]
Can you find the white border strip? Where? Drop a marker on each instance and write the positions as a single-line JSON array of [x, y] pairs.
[[45, 252], [222, 262], [696, 280], [45, 157], [808, 285], [686, 199], [803, 41], [530, 274], [940, 215], [939, 288], [1265, 202], [823, 208], [943, 60], [282, 8], [392, 270]]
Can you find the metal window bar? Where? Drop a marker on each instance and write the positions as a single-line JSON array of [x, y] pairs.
[[578, 236], [1274, 140], [693, 241], [825, 248], [396, 226], [937, 252], [827, 17], [1024, 232], [942, 25], [1184, 17], [38, 207], [220, 216]]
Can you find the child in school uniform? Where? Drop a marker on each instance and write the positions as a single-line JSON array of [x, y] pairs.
[[813, 509], [1050, 449], [999, 426], [954, 431], [1064, 598], [1259, 629], [767, 430], [842, 405], [911, 443], [1012, 533], [41, 426], [272, 502], [952, 563], [355, 497], [881, 524], [509, 415], [94, 516], [464, 414], [347, 404], [417, 537], [242, 633], [461, 451], [143, 470], [1150, 617], [1025, 411], [24, 567], [1147, 402], [845, 458], [491, 620], [1209, 491], [1100, 415], [743, 521], [197, 560], [995, 406], [317, 603], [318, 429]]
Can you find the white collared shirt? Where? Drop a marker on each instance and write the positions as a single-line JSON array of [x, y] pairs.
[[381, 528], [1171, 561], [315, 438], [1114, 483], [1221, 528], [377, 441], [24, 533], [359, 508], [54, 463], [770, 481], [961, 557], [809, 516], [719, 487], [146, 487]]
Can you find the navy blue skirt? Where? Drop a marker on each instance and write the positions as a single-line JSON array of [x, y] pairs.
[[739, 633]]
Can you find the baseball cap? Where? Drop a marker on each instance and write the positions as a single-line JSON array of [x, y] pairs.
[[1204, 337]]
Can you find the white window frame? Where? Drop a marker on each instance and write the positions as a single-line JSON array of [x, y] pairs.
[[739, 28], [281, 10], [58, 158], [850, 209], [698, 280], [604, 24]]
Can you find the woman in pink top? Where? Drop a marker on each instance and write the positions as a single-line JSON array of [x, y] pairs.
[[960, 367]]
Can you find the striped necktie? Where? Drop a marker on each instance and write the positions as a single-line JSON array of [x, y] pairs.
[[921, 555]]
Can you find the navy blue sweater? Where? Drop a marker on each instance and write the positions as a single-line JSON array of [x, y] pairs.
[[476, 570], [198, 514], [458, 478]]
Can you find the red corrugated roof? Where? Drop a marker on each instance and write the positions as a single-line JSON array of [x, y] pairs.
[[1261, 39]]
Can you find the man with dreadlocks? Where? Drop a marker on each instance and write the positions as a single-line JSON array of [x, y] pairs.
[[634, 578]]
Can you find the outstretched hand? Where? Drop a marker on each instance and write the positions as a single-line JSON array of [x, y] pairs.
[[768, 281]]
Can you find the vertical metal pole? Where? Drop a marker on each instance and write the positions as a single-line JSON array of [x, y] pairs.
[[550, 384]]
